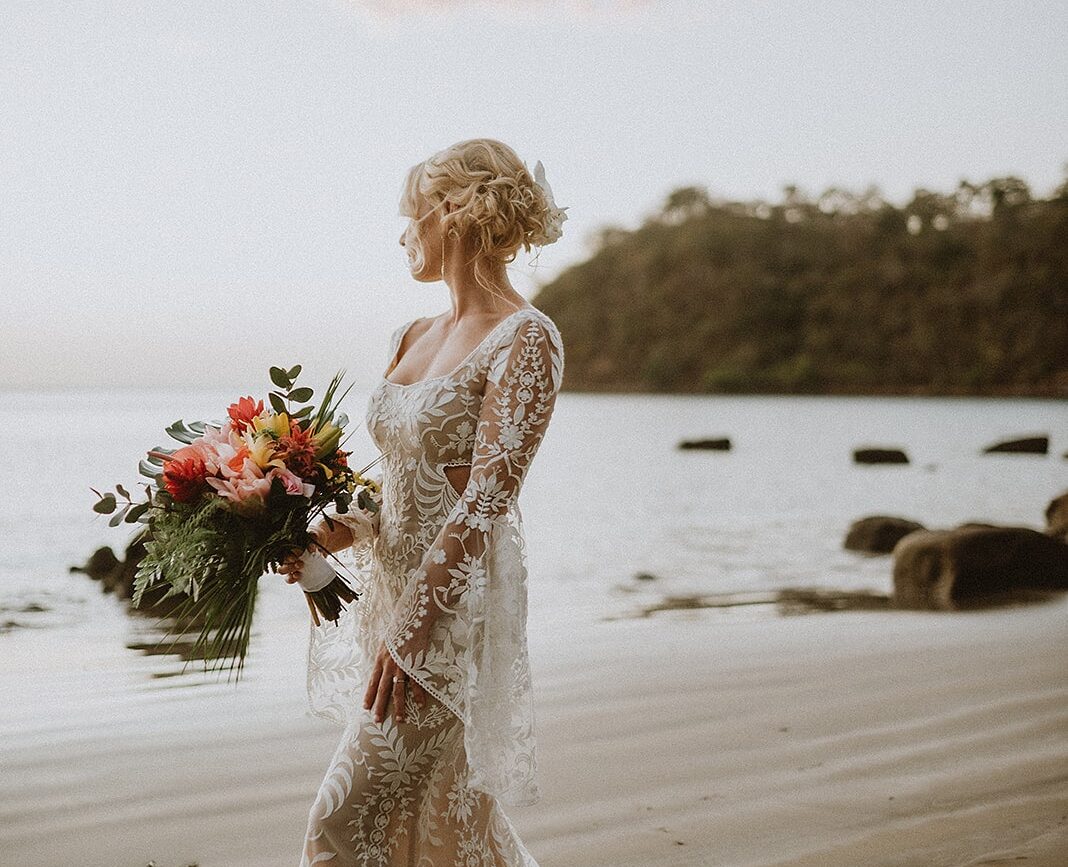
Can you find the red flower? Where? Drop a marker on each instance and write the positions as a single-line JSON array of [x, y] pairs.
[[297, 451], [243, 412], [184, 475]]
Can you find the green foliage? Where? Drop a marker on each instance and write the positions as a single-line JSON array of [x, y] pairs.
[[956, 293], [211, 552]]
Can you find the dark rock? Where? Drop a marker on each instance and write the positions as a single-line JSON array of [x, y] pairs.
[[722, 444], [947, 569], [1057, 517], [1027, 445], [102, 562], [878, 534], [117, 576], [127, 571], [879, 456]]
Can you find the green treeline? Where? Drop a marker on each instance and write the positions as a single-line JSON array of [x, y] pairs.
[[959, 293]]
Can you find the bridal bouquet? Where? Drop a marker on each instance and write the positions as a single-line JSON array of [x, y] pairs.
[[234, 501]]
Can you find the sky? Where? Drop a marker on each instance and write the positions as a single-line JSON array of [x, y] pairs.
[[192, 191]]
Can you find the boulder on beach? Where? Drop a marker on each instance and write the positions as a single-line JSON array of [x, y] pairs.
[[946, 569], [1025, 446], [1057, 517], [878, 534], [873, 455], [722, 444]]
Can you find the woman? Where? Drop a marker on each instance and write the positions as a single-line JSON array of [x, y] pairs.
[[428, 669]]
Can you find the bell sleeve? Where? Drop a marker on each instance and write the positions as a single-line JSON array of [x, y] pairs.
[[459, 626]]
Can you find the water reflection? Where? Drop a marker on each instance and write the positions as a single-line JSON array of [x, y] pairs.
[[791, 601]]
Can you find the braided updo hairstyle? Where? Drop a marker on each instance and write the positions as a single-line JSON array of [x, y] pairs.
[[496, 202]]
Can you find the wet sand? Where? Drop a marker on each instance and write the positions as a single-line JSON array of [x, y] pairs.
[[687, 737]]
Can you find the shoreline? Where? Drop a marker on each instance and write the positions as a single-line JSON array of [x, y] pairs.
[[690, 737]]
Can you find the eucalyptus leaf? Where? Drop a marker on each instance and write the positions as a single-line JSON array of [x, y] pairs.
[[136, 512], [277, 404], [301, 395], [280, 378], [116, 519], [294, 372], [105, 505], [122, 491]]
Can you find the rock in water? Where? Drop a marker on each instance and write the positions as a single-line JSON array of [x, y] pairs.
[[878, 534], [1057, 517], [946, 569], [101, 563], [1025, 446], [879, 456], [722, 444]]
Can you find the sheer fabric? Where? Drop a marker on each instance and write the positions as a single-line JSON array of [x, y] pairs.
[[443, 572]]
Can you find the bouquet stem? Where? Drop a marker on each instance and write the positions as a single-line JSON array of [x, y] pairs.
[[330, 600]]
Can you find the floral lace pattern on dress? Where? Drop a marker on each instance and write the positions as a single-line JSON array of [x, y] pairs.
[[443, 572]]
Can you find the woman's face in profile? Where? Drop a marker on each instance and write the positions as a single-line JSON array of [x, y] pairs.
[[423, 233]]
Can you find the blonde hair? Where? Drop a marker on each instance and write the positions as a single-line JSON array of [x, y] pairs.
[[495, 201]]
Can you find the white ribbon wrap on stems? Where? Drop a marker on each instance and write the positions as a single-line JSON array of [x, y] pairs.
[[315, 572]]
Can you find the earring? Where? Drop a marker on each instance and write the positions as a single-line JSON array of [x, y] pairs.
[[442, 257]]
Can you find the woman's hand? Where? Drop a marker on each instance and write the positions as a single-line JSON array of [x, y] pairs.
[[390, 681], [324, 541]]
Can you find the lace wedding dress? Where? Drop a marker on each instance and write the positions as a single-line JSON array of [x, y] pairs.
[[443, 586]]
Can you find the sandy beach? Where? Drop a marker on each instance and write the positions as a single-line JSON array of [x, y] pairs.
[[688, 738]]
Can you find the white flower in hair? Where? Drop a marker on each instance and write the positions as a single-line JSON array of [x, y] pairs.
[[554, 228]]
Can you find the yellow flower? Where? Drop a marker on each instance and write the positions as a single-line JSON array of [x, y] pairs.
[[261, 450], [274, 424]]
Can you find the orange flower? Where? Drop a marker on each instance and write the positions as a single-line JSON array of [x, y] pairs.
[[236, 464], [244, 411]]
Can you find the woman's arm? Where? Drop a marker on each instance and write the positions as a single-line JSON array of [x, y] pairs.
[[518, 402]]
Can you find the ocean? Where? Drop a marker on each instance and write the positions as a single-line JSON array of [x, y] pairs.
[[609, 497]]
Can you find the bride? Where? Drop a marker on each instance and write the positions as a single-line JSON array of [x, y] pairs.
[[428, 670]]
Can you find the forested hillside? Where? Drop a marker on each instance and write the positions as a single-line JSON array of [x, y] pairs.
[[957, 293]]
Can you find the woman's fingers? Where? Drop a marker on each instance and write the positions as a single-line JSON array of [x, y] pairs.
[[292, 567], [372, 685], [398, 681], [382, 687], [385, 687]]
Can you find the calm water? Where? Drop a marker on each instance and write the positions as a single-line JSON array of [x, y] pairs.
[[608, 497]]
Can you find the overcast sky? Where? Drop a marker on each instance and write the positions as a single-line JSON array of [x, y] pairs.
[[192, 191]]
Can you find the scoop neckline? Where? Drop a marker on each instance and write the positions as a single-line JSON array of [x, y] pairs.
[[465, 359]]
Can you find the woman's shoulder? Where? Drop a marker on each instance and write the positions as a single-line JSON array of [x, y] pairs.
[[527, 315], [536, 333]]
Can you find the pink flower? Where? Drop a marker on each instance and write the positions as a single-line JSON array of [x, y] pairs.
[[293, 483], [216, 447], [247, 488]]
